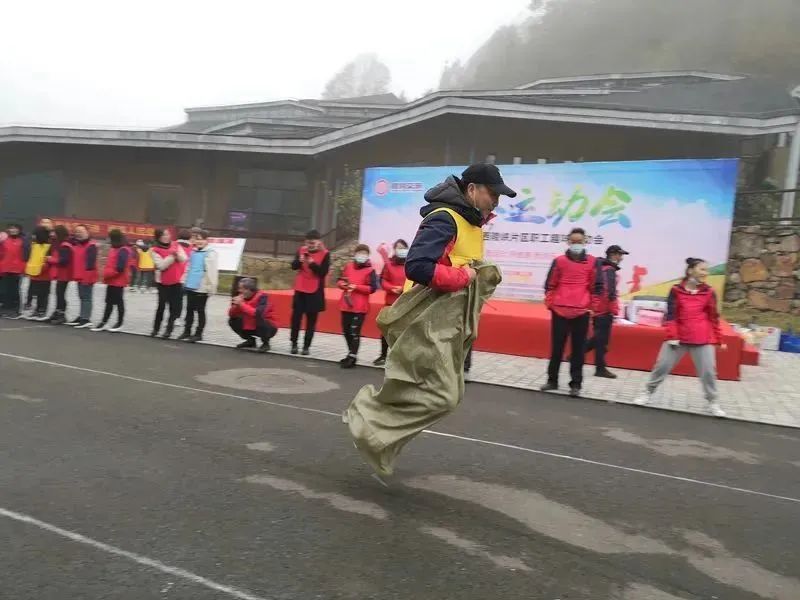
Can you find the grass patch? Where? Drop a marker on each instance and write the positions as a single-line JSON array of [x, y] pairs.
[[743, 315]]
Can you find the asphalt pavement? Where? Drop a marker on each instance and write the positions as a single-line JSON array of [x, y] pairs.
[[137, 469]]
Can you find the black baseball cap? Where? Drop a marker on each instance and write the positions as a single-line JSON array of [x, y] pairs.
[[488, 175], [615, 250]]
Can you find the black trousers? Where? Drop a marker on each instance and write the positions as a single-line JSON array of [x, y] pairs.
[[115, 297], [600, 339], [10, 295], [195, 305], [351, 328], [40, 290], [576, 330], [172, 296], [264, 333], [61, 296], [297, 323]]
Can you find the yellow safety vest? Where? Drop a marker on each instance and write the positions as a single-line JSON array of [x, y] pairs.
[[469, 243], [145, 261], [37, 259]]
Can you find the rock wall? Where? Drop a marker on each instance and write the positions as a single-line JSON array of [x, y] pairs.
[[764, 268]]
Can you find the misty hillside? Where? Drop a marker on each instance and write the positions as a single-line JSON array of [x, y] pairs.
[[579, 37]]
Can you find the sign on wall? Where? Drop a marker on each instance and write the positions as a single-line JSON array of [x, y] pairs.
[[229, 252], [99, 228], [660, 211]]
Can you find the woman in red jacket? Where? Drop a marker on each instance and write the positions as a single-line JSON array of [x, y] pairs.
[[60, 263], [357, 281], [393, 278], [116, 276], [692, 325]]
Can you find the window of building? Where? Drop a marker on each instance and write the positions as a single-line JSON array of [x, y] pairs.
[[276, 201], [163, 204]]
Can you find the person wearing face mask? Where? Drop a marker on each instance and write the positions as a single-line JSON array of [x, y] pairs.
[[692, 326], [14, 248], [569, 288], [447, 244], [357, 281], [312, 263], [605, 306], [252, 316], [393, 278], [84, 273]]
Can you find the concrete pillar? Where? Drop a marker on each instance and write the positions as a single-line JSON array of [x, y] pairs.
[[787, 205]]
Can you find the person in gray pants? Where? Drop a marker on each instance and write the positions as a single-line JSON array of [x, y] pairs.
[[692, 325]]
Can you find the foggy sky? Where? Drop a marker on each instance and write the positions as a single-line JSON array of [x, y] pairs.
[[138, 64]]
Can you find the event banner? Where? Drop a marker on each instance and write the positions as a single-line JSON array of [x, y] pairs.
[[99, 228], [660, 211], [229, 252]]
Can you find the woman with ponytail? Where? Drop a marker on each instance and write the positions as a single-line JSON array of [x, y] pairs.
[[692, 325]]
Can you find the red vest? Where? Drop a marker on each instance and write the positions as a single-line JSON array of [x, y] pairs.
[[394, 275], [174, 273], [13, 256], [79, 271], [61, 272], [569, 286], [113, 277], [306, 280], [362, 277]]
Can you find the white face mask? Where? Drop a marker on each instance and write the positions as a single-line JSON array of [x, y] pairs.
[[361, 258], [401, 252], [577, 248]]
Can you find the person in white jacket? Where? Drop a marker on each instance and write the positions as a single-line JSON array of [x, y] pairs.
[[201, 279]]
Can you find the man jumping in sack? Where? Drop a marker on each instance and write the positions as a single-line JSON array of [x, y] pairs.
[[430, 329]]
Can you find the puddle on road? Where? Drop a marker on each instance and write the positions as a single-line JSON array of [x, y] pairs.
[[271, 381], [261, 446], [475, 549], [337, 501], [692, 448]]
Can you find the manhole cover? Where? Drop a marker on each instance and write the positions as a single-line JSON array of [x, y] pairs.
[[272, 381]]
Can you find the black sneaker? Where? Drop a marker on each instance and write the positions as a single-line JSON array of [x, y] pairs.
[[251, 343], [575, 391], [83, 324], [380, 361], [264, 348], [605, 374], [349, 363], [294, 349], [75, 322], [193, 339], [549, 387], [305, 352], [184, 337], [166, 335]]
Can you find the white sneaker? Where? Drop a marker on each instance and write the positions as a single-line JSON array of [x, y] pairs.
[[100, 327], [115, 329], [643, 399], [716, 410], [86, 325]]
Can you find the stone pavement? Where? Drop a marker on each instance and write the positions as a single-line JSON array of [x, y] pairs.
[[769, 393]]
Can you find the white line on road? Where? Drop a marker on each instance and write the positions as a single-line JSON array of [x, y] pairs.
[[26, 327], [137, 558], [577, 459]]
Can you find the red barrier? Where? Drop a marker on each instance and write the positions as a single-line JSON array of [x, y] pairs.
[[523, 329]]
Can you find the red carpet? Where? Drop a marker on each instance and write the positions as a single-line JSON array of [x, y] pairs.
[[523, 329]]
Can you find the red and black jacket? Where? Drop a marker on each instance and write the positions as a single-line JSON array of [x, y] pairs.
[[116, 272], [310, 278], [14, 252], [692, 316], [393, 276], [84, 261], [428, 262], [255, 312], [60, 261], [366, 281], [571, 284], [605, 301]]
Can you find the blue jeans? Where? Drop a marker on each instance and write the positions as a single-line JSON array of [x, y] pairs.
[[85, 293]]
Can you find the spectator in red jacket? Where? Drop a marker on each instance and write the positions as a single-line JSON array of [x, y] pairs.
[[357, 281], [84, 273], [569, 288], [312, 263], [393, 278], [14, 250], [252, 316], [116, 276], [61, 270], [605, 308], [692, 325]]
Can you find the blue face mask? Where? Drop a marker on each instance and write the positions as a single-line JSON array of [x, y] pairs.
[[361, 258], [401, 252], [577, 248]]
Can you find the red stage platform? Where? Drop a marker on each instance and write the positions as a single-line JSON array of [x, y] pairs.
[[523, 329]]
